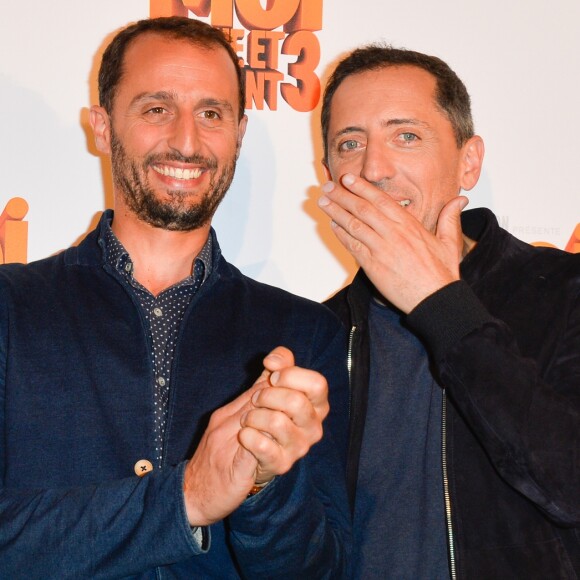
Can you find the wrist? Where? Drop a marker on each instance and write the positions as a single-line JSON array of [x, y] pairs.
[[258, 487]]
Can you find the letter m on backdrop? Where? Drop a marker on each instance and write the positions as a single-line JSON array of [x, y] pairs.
[[14, 232], [294, 14]]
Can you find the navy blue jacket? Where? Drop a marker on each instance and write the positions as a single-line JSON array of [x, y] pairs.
[[76, 415], [505, 346]]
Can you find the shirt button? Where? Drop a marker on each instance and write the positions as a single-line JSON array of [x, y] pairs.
[[142, 467], [128, 267], [158, 312], [161, 381]]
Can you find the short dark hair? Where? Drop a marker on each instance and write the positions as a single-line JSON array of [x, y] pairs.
[[450, 93], [174, 27]]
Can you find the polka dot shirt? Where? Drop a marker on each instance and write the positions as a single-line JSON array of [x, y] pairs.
[[164, 314]]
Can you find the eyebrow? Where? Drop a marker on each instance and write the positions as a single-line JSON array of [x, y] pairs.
[[394, 122], [388, 123], [158, 96], [172, 96], [216, 103]]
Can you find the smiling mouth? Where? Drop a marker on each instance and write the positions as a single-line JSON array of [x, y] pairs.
[[177, 172]]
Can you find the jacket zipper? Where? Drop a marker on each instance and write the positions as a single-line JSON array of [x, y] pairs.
[[349, 353], [349, 367], [447, 496]]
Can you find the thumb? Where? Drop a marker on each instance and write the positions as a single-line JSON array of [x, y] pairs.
[[449, 223], [244, 465], [278, 359], [243, 402]]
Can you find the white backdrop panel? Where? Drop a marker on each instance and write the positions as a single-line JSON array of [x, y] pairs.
[[519, 60]]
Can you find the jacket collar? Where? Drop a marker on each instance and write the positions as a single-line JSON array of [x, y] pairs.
[[481, 225]]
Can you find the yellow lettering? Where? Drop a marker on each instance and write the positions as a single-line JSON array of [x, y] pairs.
[[272, 40], [307, 17], [262, 86], [305, 95], [222, 13], [14, 232], [198, 7], [166, 8], [573, 244], [272, 78], [256, 49], [254, 89], [234, 35], [277, 12]]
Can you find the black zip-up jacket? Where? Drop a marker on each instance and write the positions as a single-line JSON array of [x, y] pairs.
[[504, 343]]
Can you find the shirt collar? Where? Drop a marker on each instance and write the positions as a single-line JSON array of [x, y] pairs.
[[117, 256]]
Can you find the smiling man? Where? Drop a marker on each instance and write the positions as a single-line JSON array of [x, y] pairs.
[[151, 426], [464, 452]]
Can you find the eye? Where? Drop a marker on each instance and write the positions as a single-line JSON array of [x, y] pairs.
[[155, 111], [157, 115], [408, 137], [210, 117], [348, 145]]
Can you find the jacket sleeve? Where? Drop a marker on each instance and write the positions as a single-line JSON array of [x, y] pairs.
[[114, 529], [302, 519], [526, 414]]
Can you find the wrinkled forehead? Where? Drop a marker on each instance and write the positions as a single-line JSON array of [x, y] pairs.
[[393, 83], [156, 62], [148, 49]]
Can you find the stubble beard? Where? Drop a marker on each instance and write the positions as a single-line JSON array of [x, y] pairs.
[[176, 214]]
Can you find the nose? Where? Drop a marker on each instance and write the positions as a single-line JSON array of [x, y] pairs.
[[378, 164], [184, 136]]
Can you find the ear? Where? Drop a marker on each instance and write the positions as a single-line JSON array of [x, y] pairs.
[[326, 170], [472, 159], [241, 132], [101, 125]]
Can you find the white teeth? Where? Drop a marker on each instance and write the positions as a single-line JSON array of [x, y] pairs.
[[178, 173], [405, 203]]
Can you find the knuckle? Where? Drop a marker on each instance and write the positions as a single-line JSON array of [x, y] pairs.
[[354, 226], [363, 209], [278, 421], [211, 441], [354, 246], [217, 417], [317, 432], [383, 203], [321, 386], [264, 447], [250, 418], [302, 449], [296, 403]]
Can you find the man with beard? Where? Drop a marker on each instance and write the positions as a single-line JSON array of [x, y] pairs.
[[115, 355]]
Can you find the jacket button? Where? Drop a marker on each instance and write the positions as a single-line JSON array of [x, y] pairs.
[[142, 467]]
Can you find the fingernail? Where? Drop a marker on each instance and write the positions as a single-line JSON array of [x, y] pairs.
[[348, 179], [243, 419], [255, 397], [323, 201], [274, 378], [327, 187]]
